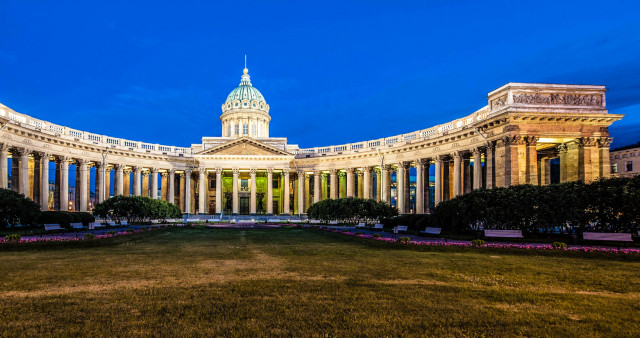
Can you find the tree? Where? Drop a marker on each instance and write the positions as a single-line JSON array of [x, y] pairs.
[[15, 209]]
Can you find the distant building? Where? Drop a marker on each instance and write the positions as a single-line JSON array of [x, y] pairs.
[[625, 161]]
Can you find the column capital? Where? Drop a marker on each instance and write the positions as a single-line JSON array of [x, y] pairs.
[[368, 168], [387, 167], [202, 170], [218, 170], [477, 151], [270, 171], [154, 170], [342, 174], [236, 171], [317, 172], [187, 171], [119, 167], [4, 147], [145, 173], [562, 148], [81, 161], [404, 164], [253, 172], [421, 162], [349, 170], [360, 173], [532, 140], [457, 155], [137, 169], [604, 142], [285, 172], [587, 141], [333, 171], [300, 172], [164, 174], [490, 145]]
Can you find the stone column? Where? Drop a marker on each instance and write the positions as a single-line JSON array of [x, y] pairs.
[[333, 176], [145, 183], [466, 181], [44, 183], [235, 202], [490, 165], [24, 173], [154, 183], [324, 184], [317, 192], [438, 182], [604, 169], [137, 171], [359, 186], [64, 183], [419, 186], [562, 151], [400, 188], [307, 190], [531, 160], [285, 175], [164, 186], [477, 169], [427, 184], [4, 166], [457, 167], [219, 191], [386, 184], [269, 191], [350, 182], [34, 177], [366, 178], [119, 180], [171, 191], [378, 185], [187, 191], [82, 164], [252, 201], [101, 177], [301, 208], [500, 163], [202, 191]]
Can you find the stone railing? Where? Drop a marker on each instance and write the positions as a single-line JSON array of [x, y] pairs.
[[89, 138], [398, 140]]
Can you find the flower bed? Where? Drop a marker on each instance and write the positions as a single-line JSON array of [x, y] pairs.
[[71, 237], [546, 247]]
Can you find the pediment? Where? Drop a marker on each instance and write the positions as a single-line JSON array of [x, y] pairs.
[[244, 146]]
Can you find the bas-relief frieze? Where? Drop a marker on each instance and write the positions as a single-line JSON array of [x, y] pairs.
[[559, 99]]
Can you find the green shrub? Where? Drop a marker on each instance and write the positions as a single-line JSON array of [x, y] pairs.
[[136, 209], [129, 230], [559, 245], [350, 210], [111, 232], [16, 209], [89, 236], [13, 238], [83, 217], [63, 218], [359, 233], [377, 235], [478, 242], [404, 240]]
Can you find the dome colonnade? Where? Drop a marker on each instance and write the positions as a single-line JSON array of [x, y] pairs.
[[524, 132]]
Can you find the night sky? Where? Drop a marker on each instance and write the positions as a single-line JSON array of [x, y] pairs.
[[332, 72]]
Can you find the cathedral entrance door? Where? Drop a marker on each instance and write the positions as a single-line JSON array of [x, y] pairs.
[[244, 206]]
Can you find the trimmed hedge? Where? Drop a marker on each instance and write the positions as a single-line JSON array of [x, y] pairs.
[[350, 210], [136, 209]]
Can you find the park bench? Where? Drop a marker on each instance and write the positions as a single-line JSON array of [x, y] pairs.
[[112, 223], [76, 226], [431, 231], [333, 222], [399, 228], [51, 227], [193, 220], [295, 221], [213, 220], [503, 233], [155, 221], [273, 220], [95, 225], [607, 236], [378, 226], [360, 225], [314, 221], [172, 220], [124, 223]]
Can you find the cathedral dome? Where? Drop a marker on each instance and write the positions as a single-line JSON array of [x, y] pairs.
[[244, 97]]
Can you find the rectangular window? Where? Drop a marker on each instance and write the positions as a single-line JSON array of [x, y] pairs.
[[253, 129], [245, 129], [614, 168], [237, 129], [275, 184], [212, 184], [629, 166]]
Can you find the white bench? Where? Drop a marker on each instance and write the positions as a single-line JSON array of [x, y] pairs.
[[273, 220], [431, 231], [50, 227], [213, 220], [503, 233], [96, 225], [314, 221], [76, 226], [193, 220], [155, 221], [607, 236], [172, 220], [333, 223], [377, 226], [295, 221], [399, 228], [124, 223], [360, 225], [111, 223]]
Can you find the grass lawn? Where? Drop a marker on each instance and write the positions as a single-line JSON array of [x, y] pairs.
[[186, 282]]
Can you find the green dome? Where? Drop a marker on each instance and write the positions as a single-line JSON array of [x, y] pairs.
[[245, 96]]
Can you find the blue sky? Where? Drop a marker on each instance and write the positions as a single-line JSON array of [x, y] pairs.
[[332, 72]]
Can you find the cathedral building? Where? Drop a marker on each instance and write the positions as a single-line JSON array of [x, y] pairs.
[[525, 134]]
